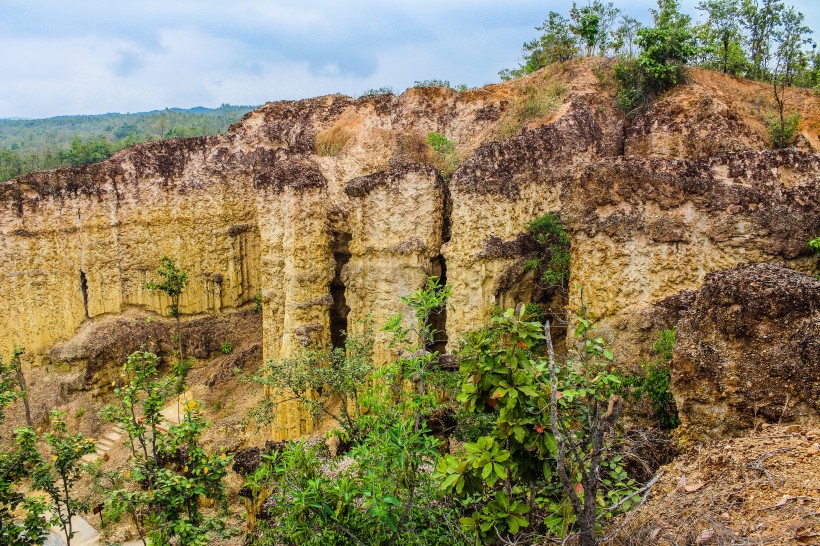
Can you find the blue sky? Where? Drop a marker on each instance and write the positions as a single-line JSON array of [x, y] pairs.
[[88, 57]]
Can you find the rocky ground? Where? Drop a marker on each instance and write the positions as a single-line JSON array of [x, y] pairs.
[[763, 488]]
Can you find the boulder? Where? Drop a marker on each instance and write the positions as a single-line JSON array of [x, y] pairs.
[[748, 351]]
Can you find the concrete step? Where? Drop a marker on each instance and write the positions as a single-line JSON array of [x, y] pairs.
[[113, 436]]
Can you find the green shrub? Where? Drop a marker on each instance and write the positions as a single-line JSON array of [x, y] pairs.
[[432, 83], [257, 303], [654, 381], [783, 135], [508, 479], [227, 348], [552, 260], [447, 158], [378, 91], [666, 49]]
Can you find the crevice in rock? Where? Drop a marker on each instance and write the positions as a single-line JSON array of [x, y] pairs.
[[439, 267], [84, 289], [439, 318], [339, 310]]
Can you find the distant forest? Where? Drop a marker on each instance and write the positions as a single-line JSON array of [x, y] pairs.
[[28, 145]]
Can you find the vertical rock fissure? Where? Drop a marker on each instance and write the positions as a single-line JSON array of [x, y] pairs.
[[84, 290], [439, 318], [440, 340], [339, 309]]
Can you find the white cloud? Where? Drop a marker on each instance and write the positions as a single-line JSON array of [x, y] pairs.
[[89, 56]]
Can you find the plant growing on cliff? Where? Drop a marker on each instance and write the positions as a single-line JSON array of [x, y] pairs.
[[654, 380], [58, 477], [552, 259], [169, 473], [447, 158]]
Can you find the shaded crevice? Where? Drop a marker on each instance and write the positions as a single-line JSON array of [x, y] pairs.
[[339, 309], [439, 267], [438, 319], [84, 290]]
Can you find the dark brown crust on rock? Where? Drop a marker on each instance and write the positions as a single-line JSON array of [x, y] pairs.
[[749, 350]]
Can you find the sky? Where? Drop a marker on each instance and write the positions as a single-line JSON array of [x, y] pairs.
[[95, 56]]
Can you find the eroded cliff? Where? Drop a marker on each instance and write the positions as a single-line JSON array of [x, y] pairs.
[[329, 209]]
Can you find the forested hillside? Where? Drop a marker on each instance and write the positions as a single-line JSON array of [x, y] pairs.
[[34, 144]]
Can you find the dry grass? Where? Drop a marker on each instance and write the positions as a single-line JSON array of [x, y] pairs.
[[535, 104], [763, 489], [331, 142], [411, 148]]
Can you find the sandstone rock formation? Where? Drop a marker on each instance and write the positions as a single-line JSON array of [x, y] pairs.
[[329, 209], [748, 351]]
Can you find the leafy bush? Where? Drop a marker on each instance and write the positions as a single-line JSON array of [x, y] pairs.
[[666, 49], [257, 303], [378, 91], [447, 159], [227, 348], [783, 135], [814, 244], [654, 381], [380, 493], [432, 83], [509, 479], [552, 259]]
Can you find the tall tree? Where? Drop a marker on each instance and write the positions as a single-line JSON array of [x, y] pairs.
[[555, 44], [760, 18], [723, 32], [625, 36]]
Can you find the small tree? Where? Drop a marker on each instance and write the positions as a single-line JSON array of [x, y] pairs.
[[58, 477], [723, 32], [416, 357], [555, 44], [588, 400], [760, 18], [172, 283], [327, 383], [791, 35], [625, 36], [169, 472]]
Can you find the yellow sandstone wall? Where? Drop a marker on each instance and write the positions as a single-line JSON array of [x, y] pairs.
[[258, 211]]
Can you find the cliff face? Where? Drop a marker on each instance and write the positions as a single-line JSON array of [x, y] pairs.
[[330, 210]]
